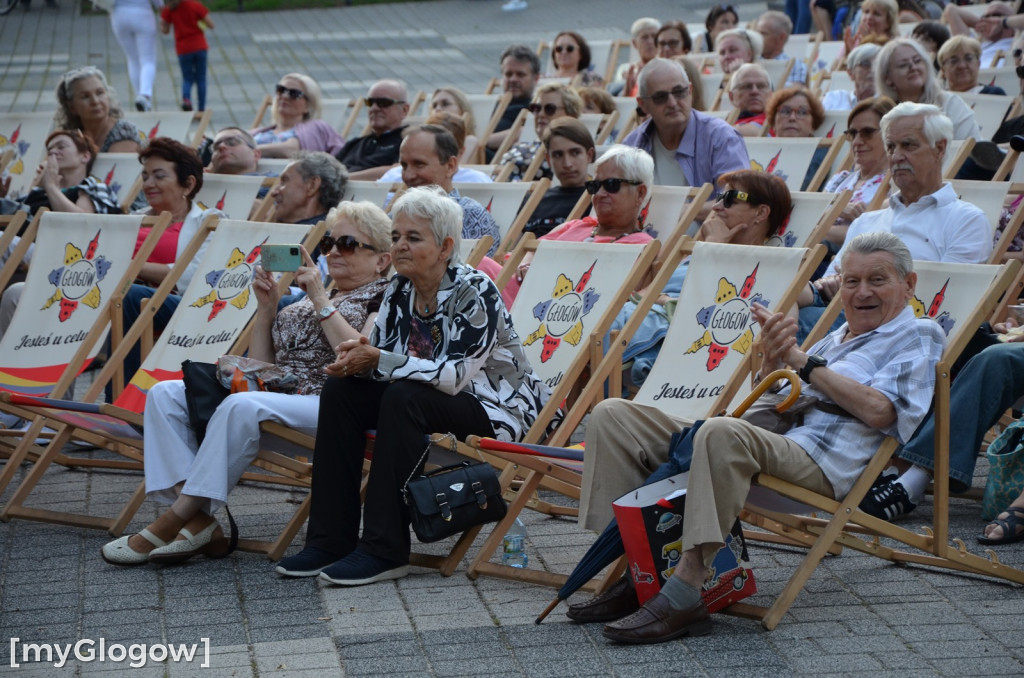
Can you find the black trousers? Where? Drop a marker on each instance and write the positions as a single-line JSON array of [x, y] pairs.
[[403, 413]]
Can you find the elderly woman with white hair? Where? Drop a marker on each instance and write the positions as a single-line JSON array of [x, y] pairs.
[[644, 36], [738, 46], [903, 72], [860, 66], [297, 125], [443, 357]]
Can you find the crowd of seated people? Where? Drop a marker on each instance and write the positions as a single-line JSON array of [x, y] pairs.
[[432, 347]]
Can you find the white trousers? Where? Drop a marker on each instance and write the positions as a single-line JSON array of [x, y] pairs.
[[135, 30], [232, 440], [8, 305]]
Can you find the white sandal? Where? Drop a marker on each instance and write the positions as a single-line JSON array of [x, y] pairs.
[[118, 552]]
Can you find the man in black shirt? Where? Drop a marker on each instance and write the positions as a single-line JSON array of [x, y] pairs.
[[520, 72], [368, 157]]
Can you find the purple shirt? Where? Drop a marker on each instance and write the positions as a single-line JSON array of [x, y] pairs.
[[710, 148]]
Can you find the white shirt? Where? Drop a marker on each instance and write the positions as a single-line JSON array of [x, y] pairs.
[[938, 227], [989, 49], [465, 174], [964, 124]]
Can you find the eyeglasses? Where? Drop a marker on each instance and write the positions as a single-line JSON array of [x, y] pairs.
[[548, 109], [801, 113], [231, 142], [748, 86], [671, 44], [381, 102], [659, 98], [609, 185], [866, 133], [346, 244], [568, 49], [967, 59], [733, 196], [290, 91]]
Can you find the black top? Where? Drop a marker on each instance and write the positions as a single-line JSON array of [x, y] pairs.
[[553, 209], [371, 151], [506, 120]]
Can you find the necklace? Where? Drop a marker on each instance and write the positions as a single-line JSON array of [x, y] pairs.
[[593, 234]]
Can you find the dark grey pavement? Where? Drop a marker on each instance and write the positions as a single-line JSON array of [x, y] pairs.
[[858, 616]]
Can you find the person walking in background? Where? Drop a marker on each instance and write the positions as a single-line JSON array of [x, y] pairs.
[[190, 19], [134, 27]]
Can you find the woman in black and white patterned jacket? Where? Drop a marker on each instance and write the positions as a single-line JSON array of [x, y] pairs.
[[443, 356]]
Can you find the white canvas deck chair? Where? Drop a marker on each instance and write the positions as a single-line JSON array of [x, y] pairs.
[[626, 107], [989, 110], [82, 263], [789, 158], [812, 216], [25, 135], [174, 124], [703, 364], [958, 297], [956, 155], [376, 192], [122, 172], [487, 111], [210, 320], [234, 195], [473, 250], [1002, 76], [670, 211], [503, 201], [778, 71]]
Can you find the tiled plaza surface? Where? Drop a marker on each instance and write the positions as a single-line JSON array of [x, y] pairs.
[[858, 616]]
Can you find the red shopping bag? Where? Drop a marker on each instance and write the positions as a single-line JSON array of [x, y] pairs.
[[651, 524]]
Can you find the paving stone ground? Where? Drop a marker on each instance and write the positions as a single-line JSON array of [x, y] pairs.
[[858, 616]]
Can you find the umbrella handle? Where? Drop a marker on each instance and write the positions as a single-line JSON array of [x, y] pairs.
[[547, 610]]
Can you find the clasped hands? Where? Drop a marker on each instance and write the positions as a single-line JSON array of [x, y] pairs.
[[354, 356], [778, 340]]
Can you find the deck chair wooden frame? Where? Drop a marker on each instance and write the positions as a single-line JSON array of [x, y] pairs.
[[932, 547], [671, 209], [150, 124], [122, 172], [234, 195], [513, 136], [123, 436], [956, 155], [513, 205], [11, 224], [536, 469], [818, 210], [487, 111]]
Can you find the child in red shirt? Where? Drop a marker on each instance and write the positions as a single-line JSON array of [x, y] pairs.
[[190, 19]]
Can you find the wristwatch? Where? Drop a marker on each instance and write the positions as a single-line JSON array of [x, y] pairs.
[[1004, 23], [812, 362], [326, 312]]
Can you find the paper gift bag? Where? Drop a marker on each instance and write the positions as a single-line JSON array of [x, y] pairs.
[[651, 523]]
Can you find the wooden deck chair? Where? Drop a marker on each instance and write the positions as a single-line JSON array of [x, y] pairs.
[[261, 111], [694, 375], [25, 134], [788, 158], [778, 71], [233, 194], [670, 211], [956, 155], [989, 110], [813, 214], [487, 111], [1003, 76], [122, 172], [174, 124], [511, 205], [959, 297], [604, 55], [211, 320], [10, 225], [515, 132], [376, 192], [827, 58], [273, 166], [988, 196], [473, 250], [626, 107], [337, 112], [836, 80]]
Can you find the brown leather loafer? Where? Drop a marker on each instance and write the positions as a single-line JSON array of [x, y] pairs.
[[615, 603], [657, 622]]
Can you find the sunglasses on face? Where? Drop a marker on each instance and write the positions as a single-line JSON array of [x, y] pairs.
[[866, 133], [609, 185], [381, 102], [548, 109], [291, 92], [568, 49], [733, 196], [346, 244], [659, 98]]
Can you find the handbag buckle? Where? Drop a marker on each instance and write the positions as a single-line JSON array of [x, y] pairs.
[[481, 497], [442, 503]]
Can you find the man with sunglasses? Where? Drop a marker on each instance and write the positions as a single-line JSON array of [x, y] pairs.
[[429, 156], [368, 157], [689, 148], [991, 28]]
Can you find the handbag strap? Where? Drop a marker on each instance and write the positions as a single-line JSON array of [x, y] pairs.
[[450, 437]]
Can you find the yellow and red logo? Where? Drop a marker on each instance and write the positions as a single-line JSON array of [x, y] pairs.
[[77, 281], [561, 317], [230, 285], [729, 322]]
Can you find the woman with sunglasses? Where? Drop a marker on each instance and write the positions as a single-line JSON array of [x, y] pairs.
[[570, 56], [87, 103], [195, 477], [870, 162], [751, 209], [297, 124], [551, 100], [621, 184]]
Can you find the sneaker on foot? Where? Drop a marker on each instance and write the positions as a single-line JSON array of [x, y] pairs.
[[887, 501], [186, 104], [514, 5], [359, 567], [143, 103], [306, 563]]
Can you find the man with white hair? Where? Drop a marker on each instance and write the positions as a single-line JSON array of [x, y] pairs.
[[689, 148], [368, 157], [644, 33], [749, 89], [775, 27]]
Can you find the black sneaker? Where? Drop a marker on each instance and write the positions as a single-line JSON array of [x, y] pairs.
[[887, 501], [359, 567], [306, 563]]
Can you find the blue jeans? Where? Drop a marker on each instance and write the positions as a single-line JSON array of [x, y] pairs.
[[988, 384], [131, 309], [193, 70], [799, 11]]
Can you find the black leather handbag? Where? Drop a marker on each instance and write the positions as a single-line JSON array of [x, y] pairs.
[[203, 394], [452, 499]]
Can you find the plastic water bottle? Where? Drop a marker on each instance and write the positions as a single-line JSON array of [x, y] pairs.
[[513, 550]]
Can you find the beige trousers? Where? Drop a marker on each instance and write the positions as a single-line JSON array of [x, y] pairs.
[[727, 454]]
